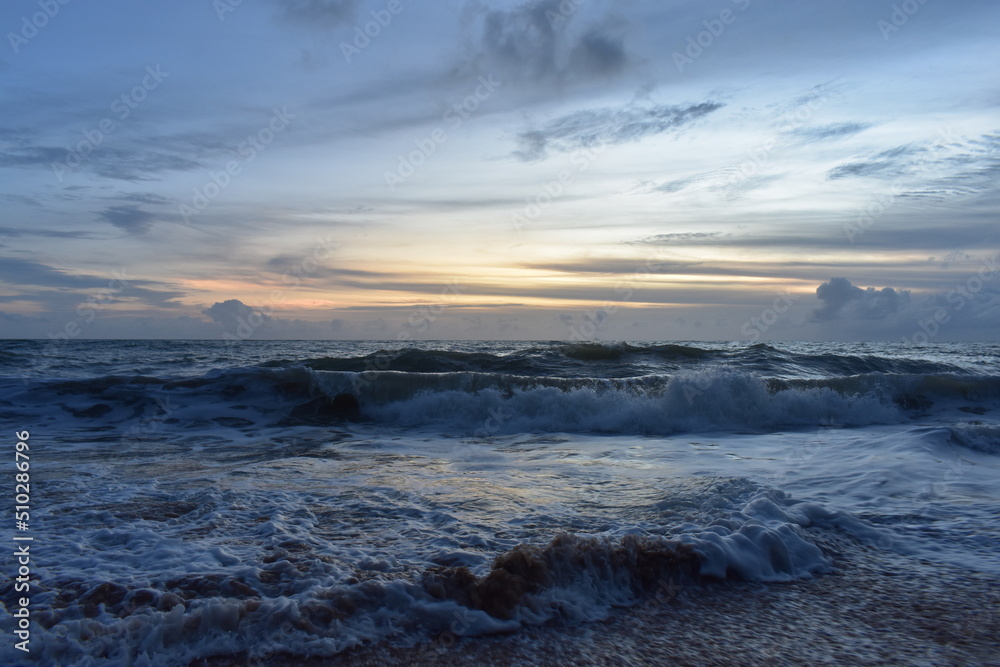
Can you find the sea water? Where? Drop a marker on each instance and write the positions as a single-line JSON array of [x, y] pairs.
[[199, 499]]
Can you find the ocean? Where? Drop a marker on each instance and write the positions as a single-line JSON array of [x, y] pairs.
[[210, 503]]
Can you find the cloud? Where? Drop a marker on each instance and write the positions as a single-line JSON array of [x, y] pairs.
[[842, 300], [678, 184], [55, 283], [144, 198], [975, 165], [617, 266], [593, 127], [241, 321], [318, 13], [129, 218], [137, 165], [114, 163], [831, 131], [26, 272], [536, 43], [686, 238], [599, 54], [729, 182], [738, 185], [31, 156], [44, 233], [297, 269], [232, 313], [963, 306], [712, 180], [23, 200], [891, 162], [937, 170]]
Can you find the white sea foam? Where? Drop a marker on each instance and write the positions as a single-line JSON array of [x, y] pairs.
[[710, 400]]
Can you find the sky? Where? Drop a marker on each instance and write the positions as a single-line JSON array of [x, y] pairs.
[[470, 169]]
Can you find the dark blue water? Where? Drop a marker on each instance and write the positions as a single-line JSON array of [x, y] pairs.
[[200, 499]]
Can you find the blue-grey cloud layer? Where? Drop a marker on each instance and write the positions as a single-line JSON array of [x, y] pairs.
[[803, 146]]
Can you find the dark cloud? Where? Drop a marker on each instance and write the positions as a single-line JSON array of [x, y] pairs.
[[24, 200], [472, 203], [964, 305], [144, 198], [295, 268], [535, 42], [14, 318], [900, 230], [599, 54], [967, 309], [230, 314], [969, 167], [892, 162], [54, 284], [240, 321], [137, 165], [831, 131], [115, 163], [882, 168], [129, 218], [318, 13], [594, 127], [44, 233], [514, 295], [975, 166], [731, 182], [618, 266], [916, 274], [31, 156], [26, 272], [842, 300], [687, 238]]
